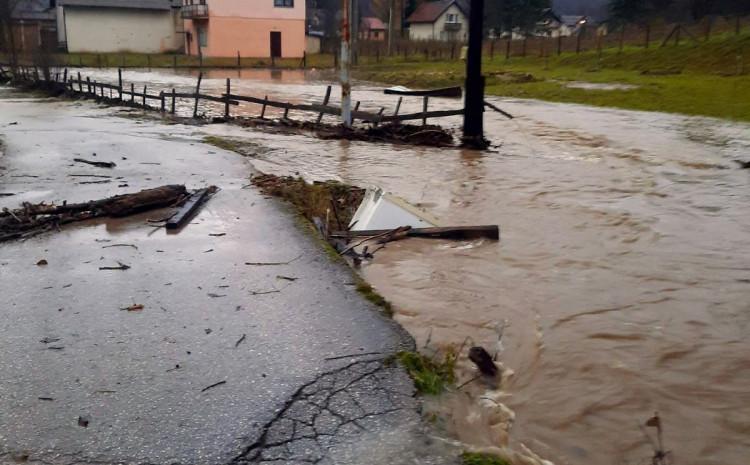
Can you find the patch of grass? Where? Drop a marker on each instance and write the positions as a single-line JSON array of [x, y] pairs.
[[707, 78], [430, 377], [331, 202], [372, 295], [475, 458]]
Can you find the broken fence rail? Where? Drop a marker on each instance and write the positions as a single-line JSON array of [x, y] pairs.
[[89, 87], [449, 232]]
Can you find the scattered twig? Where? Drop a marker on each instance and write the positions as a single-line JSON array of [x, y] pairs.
[[273, 263], [46, 398], [99, 164], [214, 296], [121, 266], [274, 291], [217, 234], [239, 341], [89, 176], [468, 382], [286, 278], [119, 245], [339, 357], [213, 386]]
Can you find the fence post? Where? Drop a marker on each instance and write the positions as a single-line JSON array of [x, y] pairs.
[[163, 105], [144, 97], [398, 107], [88, 85], [648, 35], [226, 102], [197, 93], [65, 76], [173, 101], [424, 110], [578, 42], [80, 84], [132, 92], [238, 60], [325, 102], [119, 82], [507, 48], [559, 44], [263, 110]]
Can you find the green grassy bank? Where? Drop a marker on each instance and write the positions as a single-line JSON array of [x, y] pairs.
[[706, 78]]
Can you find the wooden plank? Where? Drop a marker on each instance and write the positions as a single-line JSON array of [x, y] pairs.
[[451, 232], [442, 92], [420, 115], [186, 212]]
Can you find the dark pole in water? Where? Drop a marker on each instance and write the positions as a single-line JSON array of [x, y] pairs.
[[474, 106]]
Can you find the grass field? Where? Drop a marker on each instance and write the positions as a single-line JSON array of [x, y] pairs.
[[707, 78]]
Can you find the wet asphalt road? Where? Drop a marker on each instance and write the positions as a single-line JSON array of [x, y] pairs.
[[68, 350]]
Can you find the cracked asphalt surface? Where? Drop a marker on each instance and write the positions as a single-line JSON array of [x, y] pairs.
[[85, 381]]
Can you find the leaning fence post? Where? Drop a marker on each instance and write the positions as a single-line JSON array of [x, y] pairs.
[[144, 97], [398, 107], [65, 76], [263, 110], [226, 102], [132, 92], [559, 44], [88, 84], [80, 84], [507, 48], [325, 102], [163, 103], [173, 100], [197, 93], [424, 110]]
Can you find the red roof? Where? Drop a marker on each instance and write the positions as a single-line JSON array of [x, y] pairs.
[[429, 12], [371, 23]]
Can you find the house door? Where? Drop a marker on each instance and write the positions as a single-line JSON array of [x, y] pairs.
[[275, 44]]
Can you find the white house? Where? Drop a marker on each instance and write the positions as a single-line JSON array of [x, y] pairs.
[[440, 20], [111, 26]]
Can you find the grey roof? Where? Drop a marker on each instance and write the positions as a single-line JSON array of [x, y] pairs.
[[133, 4]]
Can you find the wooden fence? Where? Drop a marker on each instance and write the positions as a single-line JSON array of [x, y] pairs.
[[166, 101]]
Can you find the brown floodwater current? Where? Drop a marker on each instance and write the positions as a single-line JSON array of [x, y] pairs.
[[623, 272]]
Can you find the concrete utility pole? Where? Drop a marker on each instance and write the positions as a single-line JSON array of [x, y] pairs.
[[474, 105], [345, 61]]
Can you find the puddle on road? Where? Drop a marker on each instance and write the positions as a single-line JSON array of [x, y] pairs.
[[622, 270]]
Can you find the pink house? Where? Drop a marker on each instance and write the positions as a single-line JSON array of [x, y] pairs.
[[254, 28]]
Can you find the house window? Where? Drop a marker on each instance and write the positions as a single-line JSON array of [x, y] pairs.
[[283, 3], [452, 18]]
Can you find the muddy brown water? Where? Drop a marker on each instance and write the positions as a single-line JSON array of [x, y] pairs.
[[623, 271]]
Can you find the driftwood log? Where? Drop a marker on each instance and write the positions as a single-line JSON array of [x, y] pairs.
[[32, 219]]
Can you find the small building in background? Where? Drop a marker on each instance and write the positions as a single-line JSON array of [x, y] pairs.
[[34, 25], [250, 28], [371, 28], [314, 42], [117, 26], [440, 20]]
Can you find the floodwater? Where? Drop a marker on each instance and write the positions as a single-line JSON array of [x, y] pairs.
[[623, 272]]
